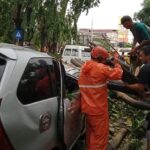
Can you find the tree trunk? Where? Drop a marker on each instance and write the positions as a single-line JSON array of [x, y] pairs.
[[117, 139], [136, 103]]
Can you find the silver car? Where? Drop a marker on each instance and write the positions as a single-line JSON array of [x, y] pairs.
[[34, 102]]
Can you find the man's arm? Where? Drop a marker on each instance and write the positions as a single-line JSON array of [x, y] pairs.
[[134, 43], [133, 49], [114, 73], [138, 87]]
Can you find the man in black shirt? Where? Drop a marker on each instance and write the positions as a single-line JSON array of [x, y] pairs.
[[144, 82], [144, 74]]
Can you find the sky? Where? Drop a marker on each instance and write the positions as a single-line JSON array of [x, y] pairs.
[[107, 15]]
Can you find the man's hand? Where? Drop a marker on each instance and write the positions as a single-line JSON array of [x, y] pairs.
[[75, 106], [133, 51]]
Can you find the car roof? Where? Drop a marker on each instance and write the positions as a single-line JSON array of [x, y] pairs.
[[13, 51], [75, 46]]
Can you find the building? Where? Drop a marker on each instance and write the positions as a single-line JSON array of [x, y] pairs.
[[86, 35]]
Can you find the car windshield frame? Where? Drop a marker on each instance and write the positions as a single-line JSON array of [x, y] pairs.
[[2, 67]]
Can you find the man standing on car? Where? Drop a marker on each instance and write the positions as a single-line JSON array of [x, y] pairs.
[[93, 87], [139, 30]]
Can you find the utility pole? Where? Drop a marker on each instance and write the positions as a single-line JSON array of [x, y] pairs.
[[92, 30]]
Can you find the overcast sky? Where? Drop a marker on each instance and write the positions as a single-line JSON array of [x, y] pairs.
[[107, 15]]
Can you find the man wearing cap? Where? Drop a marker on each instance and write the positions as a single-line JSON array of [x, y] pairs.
[[93, 87]]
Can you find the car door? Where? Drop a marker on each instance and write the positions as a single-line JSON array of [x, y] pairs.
[[30, 105], [70, 125], [73, 120]]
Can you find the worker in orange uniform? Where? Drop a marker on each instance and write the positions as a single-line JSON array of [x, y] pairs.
[[93, 87]]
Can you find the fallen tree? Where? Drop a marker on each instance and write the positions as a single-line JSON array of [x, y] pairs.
[[76, 62], [141, 104], [132, 98]]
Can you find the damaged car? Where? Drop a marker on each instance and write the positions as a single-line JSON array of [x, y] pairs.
[[34, 101]]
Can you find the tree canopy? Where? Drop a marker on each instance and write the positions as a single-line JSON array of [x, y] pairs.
[[44, 22], [144, 14]]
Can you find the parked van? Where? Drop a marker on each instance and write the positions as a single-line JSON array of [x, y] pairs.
[[76, 51]]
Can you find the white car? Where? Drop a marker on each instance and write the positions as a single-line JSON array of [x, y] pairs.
[[33, 102], [76, 51]]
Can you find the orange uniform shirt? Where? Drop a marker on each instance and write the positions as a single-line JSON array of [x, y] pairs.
[[93, 86]]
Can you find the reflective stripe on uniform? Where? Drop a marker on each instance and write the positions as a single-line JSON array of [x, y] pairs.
[[93, 86]]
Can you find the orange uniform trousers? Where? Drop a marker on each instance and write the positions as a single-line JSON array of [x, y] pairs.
[[97, 132]]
